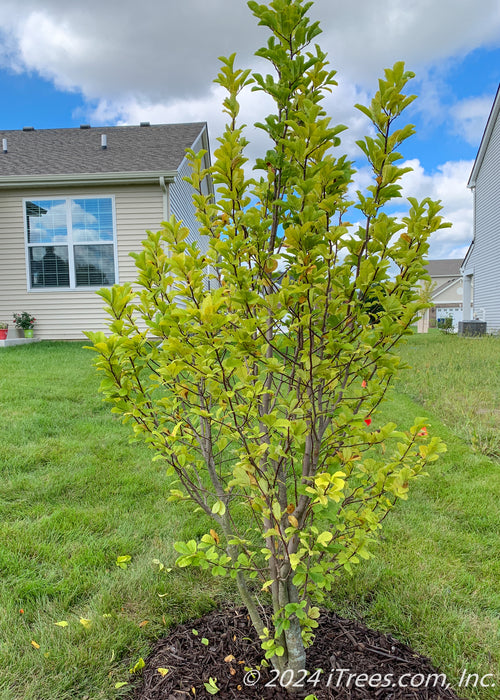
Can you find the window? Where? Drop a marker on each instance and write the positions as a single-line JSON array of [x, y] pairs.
[[71, 242]]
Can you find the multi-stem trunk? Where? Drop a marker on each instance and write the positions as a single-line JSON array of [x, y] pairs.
[[294, 658]]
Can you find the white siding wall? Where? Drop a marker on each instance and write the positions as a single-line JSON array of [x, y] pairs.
[[181, 202], [485, 258], [65, 314]]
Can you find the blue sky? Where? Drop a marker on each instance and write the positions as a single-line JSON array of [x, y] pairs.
[[63, 64]]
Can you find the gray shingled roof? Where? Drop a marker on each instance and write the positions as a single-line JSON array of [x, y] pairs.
[[444, 268], [156, 148]]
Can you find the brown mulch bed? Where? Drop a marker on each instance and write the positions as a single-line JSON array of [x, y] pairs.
[[233, 648]]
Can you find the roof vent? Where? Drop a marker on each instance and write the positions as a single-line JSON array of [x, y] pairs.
[[84, 126], [104, 142], [4, 145], [145, 124], [28, 128]]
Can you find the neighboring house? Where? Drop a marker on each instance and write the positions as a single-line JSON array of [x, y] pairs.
[[446, 290], [74, 203], [481, 265]]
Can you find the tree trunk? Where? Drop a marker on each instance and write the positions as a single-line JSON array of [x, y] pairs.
[[294, 659]]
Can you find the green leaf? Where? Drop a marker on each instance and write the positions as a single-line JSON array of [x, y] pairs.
[[211, 687]]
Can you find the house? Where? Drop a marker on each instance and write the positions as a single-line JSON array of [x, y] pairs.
[[481, 265], [446, 290], [74, 203]]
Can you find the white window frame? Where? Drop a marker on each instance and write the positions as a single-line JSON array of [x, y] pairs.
[[70, 243]]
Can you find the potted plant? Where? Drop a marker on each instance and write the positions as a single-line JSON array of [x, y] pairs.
[[25, 321], [4, 329]]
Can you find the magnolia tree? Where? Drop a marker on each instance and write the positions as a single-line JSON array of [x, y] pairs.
[[259, 385]]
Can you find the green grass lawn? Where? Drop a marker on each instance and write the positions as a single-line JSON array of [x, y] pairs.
[[76, 495], [459, 379]]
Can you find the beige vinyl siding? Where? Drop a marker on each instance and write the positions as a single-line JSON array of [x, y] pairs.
[[451, 294], [485, 258], [65, 314]]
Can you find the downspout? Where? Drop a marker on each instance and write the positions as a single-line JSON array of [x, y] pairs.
[[166, 198]]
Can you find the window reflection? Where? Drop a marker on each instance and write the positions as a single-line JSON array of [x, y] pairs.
[[94, 265], [49, 266], [46, 221]]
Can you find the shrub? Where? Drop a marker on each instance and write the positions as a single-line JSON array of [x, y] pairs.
[[445, 324], [260, 392]]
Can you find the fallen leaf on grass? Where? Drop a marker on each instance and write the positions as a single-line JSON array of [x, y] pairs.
[[62, 623], [123, 561], [86, 623], [140, 664], [33, 643]]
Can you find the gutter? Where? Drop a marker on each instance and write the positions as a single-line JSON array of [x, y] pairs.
[[87, 179]]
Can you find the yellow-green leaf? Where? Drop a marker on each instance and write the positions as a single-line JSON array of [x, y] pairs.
[[137, 667], [325, 538], [276, 510], [218, 508]]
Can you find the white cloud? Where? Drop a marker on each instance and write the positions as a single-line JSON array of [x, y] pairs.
[[448, 184], [366, 36], [166, 51], [470, 117], [157, 61]]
